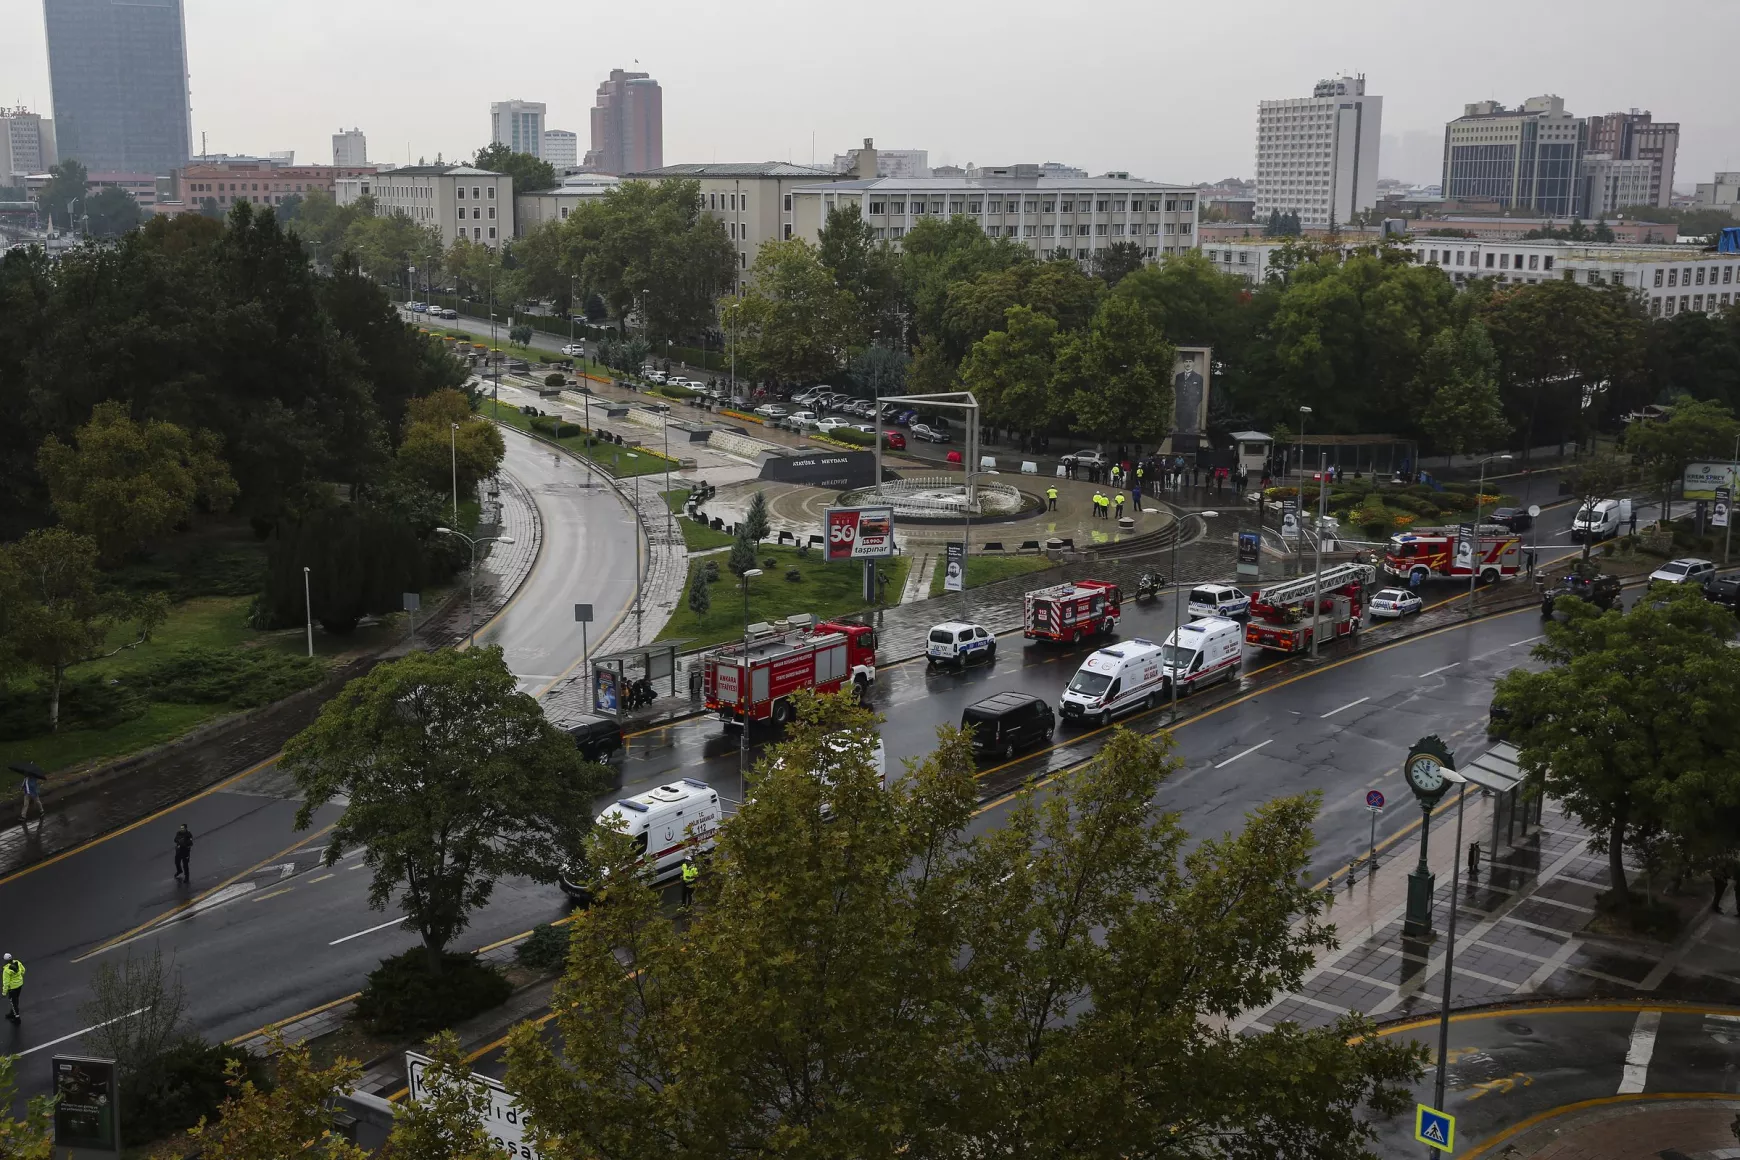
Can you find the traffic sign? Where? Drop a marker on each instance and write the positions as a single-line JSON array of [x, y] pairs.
[[1434, 1128], [1375, 799]]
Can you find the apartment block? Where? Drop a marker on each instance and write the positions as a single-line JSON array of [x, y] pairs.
[[753, 200], [889, 162], [1529, 157], [519, 125], [350, 149], [1670, 279], [1609, 184], [1722, 192], [561, 148], [463, 202], [1637, 136], [1317, 156], [224, 183], [27, 145]]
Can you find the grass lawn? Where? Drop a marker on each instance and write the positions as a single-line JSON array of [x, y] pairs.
[[159, 723], [697, 537], [988, 569], [825, 590], [621, 462]]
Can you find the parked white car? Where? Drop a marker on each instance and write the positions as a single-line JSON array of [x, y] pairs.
[[1395, 603], [773, 411], [826, 425], [573, 348], [1684, 571]]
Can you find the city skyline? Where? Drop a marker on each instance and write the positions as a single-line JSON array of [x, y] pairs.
[[793, 98]]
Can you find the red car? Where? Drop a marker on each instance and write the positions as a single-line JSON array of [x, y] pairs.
[[894, 440]]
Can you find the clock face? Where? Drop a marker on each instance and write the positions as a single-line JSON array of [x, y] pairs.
[[1426, 774]]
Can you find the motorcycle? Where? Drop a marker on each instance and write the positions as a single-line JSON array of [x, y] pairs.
[[640, 695], [1148, 586]]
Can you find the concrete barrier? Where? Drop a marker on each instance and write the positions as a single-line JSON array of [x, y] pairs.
[[732, 443]]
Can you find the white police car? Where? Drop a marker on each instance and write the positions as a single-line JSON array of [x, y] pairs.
[[1396, 603], [1218, 600], [955, 643]]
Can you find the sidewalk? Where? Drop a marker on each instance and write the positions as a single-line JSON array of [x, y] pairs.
[[1684, 1129]]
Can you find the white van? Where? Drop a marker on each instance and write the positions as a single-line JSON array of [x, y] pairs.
[[1124, 676], [667, 824], [1601, 521], [1218, 600], [1203, 652]]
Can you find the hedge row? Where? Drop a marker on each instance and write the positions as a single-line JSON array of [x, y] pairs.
[[556, 428]]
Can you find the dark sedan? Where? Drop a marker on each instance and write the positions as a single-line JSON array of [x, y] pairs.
[[1516, 519]]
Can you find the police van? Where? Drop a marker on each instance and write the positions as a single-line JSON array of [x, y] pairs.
[[1124, 676], [1203, 652], [955, 643], [667, 825], [1218, 600]]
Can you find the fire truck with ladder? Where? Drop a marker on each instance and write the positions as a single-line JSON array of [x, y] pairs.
[[1442, 553], [752, 679], [1069, 612], [1281, 613]]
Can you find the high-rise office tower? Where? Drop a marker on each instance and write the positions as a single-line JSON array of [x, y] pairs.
[[519, 125], [561, 148], [350, 147], [1529, 157], [1317, 156], [628, 125], [1636, 136], [118, 69]]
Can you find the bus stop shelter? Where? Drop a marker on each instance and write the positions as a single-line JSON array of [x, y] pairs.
[[1516, 814], [612, 672]]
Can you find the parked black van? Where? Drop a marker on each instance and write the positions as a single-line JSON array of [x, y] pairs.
[[599, 739], [1006, 722]]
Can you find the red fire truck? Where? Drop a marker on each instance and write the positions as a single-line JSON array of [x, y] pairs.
[[1281, 613], [1442, 553], [753, 679], [1071, 611]]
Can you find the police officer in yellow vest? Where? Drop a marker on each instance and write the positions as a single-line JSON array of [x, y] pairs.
[[691, 875], [1120, 503], [1051, 498], [12, 982]]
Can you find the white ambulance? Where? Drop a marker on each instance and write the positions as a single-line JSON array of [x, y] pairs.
[[666, 824], [1203, 652], [1125, 676]]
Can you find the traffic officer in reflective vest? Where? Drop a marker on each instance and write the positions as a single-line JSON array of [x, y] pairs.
[[1051, 498], [1120, 503], [691, 875], [12, 982]]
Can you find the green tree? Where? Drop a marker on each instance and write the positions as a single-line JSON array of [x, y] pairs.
[[1458, 373], [1691, 431], [360, 560], [451, 777], [529, 172], [292, 1117], [52, 614], [432, 446], [290, 208], [879, 369], [127, 484], [742, 557], [756, 522], [66, 185], [700, 596], [1058, 290], [521, 332], [934, 255], [30, 1137], [448, 1123], [475, 266], [1595, 479], [1631, 725], [111, 212], [1037, 990], [1113, 263], [1117, 375], [865, 268], [1010, 371], [794, 324]]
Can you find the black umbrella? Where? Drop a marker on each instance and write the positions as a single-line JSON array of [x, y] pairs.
[[28, 769]]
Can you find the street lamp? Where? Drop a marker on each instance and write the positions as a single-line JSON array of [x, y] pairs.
[[1461, 782], [1474, 548], [471, 611], [453, 453], [743, 688], [1317, 563], [1177, 534], [1298, 515], [966, 532], [637, 530], [308, 606]]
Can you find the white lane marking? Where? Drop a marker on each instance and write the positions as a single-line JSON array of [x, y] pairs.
[[1243, 753], [86, 1031], [1440, 669], [1349, 705], [219, 897], [1529, 640], [1637, 1057], [284, 869], [370, 930]]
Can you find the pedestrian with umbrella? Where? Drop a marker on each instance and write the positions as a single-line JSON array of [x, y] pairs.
[[33, 775]]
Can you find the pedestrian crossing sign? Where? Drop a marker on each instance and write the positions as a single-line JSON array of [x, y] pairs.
[[1434, 1128]]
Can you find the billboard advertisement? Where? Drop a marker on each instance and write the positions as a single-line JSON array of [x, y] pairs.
[[1702, 479], [955, 567], [865, 533], [86, 1115]]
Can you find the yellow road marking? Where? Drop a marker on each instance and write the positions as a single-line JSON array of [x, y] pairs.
[[1589, 1008], [1584, 1105], [322, 878], [289, 1019], [273, 894]]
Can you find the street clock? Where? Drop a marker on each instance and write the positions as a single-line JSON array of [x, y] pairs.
[[1424, 769]]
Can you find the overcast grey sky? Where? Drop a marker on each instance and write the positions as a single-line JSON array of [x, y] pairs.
[[1164, 89]]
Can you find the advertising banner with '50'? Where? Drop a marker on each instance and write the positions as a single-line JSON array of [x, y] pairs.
[[865, 533]]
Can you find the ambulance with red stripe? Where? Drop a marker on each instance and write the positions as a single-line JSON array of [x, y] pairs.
[[667, 826]]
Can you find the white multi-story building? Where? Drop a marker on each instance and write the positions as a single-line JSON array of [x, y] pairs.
[[537, 207], [561, 148], [1317, 156], [350, 148], [460, 201], [26, 145], [519, 125], [1073, 216], [1721, 193], [1610, 184]]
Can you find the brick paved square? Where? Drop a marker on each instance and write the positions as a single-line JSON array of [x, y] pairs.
[[1546, 914], [1345, 991], [1304, 1014], [1509, 934], [1495, 961]]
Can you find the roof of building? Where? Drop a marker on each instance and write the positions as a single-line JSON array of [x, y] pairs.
[[439, 171], [737, 169], [1043, 181]]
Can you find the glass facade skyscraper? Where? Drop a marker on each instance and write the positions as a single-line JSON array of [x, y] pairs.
[[118, 69]]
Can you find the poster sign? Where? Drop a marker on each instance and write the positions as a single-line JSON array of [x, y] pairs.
[[1702, 479], [1290, 519], [606, 690], [86, 1115], [1250, 553], [955, 575], [1719, 510], [504, 1122], [1465, 546], [865, 533]]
